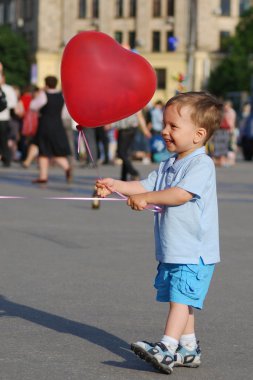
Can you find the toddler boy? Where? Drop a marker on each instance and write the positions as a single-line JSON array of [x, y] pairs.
[[186, 229]]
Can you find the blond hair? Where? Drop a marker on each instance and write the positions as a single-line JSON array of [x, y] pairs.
[[206, 110]]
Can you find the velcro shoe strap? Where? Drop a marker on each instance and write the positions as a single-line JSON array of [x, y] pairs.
[[162, 346]]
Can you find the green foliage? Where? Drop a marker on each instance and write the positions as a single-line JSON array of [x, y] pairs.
[[14, 55], [235, 70]]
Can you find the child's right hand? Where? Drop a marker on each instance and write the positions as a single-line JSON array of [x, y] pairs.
[[104, 187]]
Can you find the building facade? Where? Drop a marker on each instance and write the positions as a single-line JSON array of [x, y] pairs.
[[182, 39]]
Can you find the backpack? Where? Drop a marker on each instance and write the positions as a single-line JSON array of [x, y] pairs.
[[30, 123], [224, 123]]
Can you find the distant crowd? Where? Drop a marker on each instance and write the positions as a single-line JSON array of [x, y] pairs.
[[138, 137]]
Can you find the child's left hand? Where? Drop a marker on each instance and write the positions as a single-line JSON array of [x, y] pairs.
[[137, 202]]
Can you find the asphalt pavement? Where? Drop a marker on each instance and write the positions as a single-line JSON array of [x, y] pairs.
[[77, 283]]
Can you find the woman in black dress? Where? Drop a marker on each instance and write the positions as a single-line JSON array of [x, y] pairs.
[[51, 137]]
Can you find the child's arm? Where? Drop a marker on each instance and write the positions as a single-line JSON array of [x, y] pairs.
[[107, 186], [173, 196]]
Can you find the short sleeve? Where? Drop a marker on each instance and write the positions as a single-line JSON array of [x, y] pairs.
[[150, 182], [39, 101], [200, 174], [11, 96]]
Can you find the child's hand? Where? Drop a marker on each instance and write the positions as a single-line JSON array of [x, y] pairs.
[[104, 187], [137, 202]]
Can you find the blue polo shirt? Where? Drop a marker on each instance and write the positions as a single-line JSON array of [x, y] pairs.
[[187, 232]]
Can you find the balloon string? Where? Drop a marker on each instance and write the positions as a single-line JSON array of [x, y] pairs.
[[149, 208], [79, 142], [82, 134], [65, 198]]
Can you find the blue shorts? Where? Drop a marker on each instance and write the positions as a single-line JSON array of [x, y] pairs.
[[183, 283]]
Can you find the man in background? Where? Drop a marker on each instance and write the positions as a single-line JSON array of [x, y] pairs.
[[11, 101]]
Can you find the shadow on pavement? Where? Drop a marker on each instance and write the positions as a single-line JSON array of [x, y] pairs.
[[90, 333]]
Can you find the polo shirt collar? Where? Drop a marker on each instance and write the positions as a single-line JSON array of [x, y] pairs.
[[176, 164]]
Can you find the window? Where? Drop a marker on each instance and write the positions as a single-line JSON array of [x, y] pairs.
[[95, 8], [244, 5], [119, 9], [131, 39], [28, 9], [156, 8], [224, 41], [225, 7], [161, 78], [12, 12], [6, 13], [118, 36], [132, 8], [171, 41], [170, 7], [1, 14], [82, 9], [156, 41]]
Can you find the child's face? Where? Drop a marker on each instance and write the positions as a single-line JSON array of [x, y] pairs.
[[180, 134]]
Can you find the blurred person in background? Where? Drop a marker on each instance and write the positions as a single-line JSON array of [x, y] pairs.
[[127, 129], [102, 141], [246, 132], [156, 118], [5, 116], [28, 146], [51, 137], [3, 101], [220, 142], [17, 114], [230, 115], [156, 123], [141, 146]]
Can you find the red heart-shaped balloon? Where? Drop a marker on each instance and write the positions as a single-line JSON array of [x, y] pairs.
[[102, 82]]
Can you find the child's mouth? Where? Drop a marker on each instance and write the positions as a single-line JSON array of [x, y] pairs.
[[168, 141]]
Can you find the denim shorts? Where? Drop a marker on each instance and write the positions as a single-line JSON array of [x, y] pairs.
[[183, 283]]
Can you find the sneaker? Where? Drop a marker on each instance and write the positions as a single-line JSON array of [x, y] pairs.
[[184, 357], [143, 350], [156, 353], [163, 358]]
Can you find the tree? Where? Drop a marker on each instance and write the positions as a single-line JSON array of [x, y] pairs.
[[235, 71], [14, 55]]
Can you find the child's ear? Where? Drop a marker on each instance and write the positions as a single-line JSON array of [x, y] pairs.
[[200, 135]]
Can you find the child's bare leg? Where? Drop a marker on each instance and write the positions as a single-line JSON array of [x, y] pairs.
[[190, 326], [188, 338], [180, 326], [188, 353], [177, 320]]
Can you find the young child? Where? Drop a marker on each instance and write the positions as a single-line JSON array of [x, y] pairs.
[[186, 230]]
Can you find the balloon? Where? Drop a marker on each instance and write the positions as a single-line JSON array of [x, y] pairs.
[[102, 82]]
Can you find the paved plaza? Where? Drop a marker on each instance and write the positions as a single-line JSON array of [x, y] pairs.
[[77, 283]]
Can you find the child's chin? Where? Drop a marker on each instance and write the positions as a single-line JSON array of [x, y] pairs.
[[170, 148]]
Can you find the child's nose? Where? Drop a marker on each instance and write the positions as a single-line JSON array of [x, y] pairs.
[[166, 129]]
